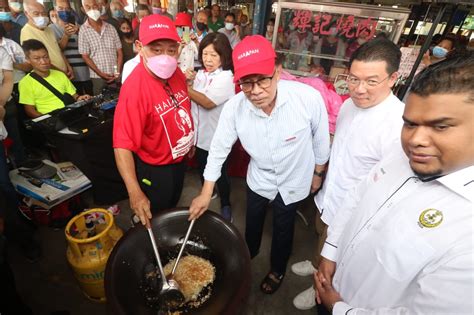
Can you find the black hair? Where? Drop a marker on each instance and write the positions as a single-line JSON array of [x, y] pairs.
[[32, 45], [449, 39], [221, 46], [379, 49], [143, 7], [3, 32], [436, 38], [230, 14], [450, 76]]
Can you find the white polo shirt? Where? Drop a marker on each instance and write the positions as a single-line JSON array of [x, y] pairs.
[[219, 87], [404, 246], [283, 146], [363, 137]]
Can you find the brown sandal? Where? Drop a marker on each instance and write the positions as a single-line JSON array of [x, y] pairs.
[[271, 282]]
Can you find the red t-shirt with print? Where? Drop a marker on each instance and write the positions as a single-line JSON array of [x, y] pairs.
[[153, 119]]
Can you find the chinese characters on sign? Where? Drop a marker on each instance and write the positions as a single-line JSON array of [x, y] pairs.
[[347, 26]]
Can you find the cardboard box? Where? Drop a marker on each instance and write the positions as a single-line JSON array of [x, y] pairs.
[[68, 182]]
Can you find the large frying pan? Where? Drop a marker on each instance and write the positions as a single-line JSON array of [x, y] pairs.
[[212, 238]]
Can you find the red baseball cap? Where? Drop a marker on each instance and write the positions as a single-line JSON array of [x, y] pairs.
[[183, 19], [156, 26], [253, 55]]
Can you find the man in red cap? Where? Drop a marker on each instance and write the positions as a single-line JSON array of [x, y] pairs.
[[283, 125], [153, 129]]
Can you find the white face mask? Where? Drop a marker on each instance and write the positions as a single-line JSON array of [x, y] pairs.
[[41, 21], [94, 14], [229, 26]]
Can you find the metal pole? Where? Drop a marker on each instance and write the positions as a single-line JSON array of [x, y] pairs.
[[449, 26], [424, 48], [259, 16]]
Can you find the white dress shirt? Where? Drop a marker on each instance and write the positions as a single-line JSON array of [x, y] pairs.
[[283, 146], [218, 86], [404, 246], [363, 137]]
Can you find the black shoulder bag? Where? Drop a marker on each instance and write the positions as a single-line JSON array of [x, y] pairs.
[[66, 98]]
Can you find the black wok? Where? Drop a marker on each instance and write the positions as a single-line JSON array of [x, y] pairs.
[[212, 238]]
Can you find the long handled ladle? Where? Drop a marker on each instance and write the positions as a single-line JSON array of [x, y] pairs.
[[182, 246], [170, 295]]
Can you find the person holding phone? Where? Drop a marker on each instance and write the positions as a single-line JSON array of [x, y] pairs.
[[66, 30], [188, 50]]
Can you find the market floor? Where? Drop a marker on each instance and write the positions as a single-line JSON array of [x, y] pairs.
[[48, 286]]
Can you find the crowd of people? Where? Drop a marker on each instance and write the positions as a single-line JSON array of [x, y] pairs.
[[392, 188]]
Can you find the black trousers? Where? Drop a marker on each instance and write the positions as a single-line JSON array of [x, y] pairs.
[[165, 183], [10, 302], [83, 87], [223, 183], [282, 232]]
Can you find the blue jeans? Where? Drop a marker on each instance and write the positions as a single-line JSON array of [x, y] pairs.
[[283, 228]]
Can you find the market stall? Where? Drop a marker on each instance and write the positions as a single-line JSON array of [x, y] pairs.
[[319, 38]]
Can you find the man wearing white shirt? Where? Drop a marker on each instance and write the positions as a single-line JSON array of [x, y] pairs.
[[287, 137], [402, 241], [368, 128]]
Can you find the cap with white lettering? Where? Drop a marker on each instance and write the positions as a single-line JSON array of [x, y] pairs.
[[253, 55], [156, 26]]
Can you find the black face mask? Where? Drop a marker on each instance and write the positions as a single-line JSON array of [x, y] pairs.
[[126, 34], [201, 26]]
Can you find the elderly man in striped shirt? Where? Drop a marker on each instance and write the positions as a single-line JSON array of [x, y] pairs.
[[283, 126]]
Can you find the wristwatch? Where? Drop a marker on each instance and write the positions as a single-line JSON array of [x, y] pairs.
[[319, 174]]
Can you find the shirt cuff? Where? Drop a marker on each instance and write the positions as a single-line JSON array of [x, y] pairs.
[[342, 308], [329, 251]]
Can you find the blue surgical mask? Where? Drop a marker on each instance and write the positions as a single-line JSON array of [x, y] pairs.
[[118, 14], [440, 52], [5, 16], [64, 15]]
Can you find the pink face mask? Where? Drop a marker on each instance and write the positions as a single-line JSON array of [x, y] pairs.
[[163, 66]]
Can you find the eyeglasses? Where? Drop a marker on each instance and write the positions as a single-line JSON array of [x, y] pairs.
[[171, 95], [355, 81], [263, 83]]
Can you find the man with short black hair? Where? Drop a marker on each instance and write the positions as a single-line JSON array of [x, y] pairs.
[[230, 29], [37, 98], [401, 243], [215, 21], [66, 31], [368, 129]]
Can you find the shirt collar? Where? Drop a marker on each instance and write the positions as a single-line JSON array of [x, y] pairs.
[[214, 73], [88, 25], [461, 182]]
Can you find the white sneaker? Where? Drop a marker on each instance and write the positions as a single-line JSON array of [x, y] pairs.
[[303, 268], [305, 300]]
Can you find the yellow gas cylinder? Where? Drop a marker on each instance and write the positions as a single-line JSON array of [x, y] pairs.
[[87, 255]]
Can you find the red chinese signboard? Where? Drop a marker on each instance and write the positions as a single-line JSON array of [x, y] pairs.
[[347, 26]]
